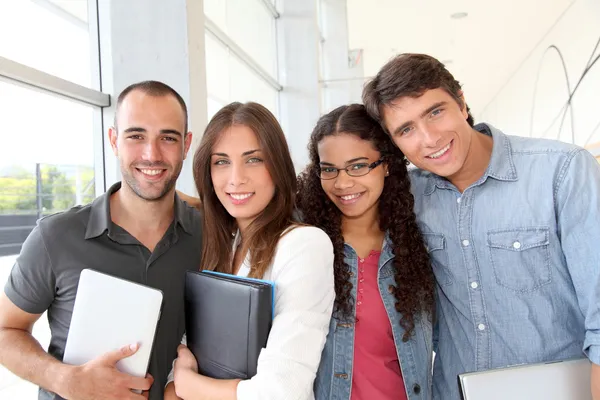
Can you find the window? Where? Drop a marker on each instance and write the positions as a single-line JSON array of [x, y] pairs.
[[230, 79], [60, 42], [241, 53], [51, 156], [251, 25]]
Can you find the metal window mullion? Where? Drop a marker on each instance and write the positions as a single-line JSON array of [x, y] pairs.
[[53, 84], [271, 7], [100, 185], [241, 54]]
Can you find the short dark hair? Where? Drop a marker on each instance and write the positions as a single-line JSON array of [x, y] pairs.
[[410, 75], [156, 89]]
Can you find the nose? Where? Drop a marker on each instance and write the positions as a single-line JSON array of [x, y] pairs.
[[343, 180], [431, 137], [151, 151], [237, 176]]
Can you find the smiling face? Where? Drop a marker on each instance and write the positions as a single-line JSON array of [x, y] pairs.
[[431, 130], [355, 196], [151, 143], [239, 174]]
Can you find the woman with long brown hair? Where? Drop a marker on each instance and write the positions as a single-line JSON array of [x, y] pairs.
[[246, 181], [357, 189]]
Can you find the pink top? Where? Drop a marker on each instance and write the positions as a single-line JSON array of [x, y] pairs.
[[376, 370]]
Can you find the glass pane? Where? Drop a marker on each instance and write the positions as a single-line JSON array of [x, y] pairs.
[[213, 106], [216, 11], [247, 86], [217, 68], [51, 36], [229, 79], [250, 25], [47, 164]]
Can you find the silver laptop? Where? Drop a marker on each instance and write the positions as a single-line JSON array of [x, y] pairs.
[[110, 313], [558, 380]]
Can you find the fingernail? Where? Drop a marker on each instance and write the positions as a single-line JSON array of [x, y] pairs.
[[133, 346]]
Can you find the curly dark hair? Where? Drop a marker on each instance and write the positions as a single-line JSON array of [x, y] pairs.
[[413, 273]]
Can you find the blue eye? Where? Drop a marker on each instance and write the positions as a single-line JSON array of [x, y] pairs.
[[436, 112], [221, 162], [254, 160], [406, 130]]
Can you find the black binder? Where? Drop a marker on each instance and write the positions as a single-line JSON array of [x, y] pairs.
[[227, 320]]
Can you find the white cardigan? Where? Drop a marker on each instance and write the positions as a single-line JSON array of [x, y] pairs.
[[302, 270]]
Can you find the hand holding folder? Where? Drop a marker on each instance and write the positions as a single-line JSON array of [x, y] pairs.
[[228, 319]]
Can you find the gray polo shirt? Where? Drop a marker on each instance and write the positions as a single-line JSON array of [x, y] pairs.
[[46, 273]]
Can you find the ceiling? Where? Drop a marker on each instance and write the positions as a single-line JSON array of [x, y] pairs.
[[482, 50]]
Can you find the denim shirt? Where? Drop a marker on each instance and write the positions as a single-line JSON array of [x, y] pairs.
[[516, 258], [334, 378]]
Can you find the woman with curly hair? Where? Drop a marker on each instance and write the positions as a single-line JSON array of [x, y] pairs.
[[357, 189]]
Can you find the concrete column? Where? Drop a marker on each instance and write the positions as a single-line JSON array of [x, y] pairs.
[[343, 72], [298, 48], [159, 40]]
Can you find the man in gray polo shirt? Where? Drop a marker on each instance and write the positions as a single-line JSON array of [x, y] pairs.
[[139, 230]]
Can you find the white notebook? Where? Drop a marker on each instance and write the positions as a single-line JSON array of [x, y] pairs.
[[110, 313], [558, 380]]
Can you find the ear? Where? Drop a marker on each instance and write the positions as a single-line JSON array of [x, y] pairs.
[[386, 168], [186, 144], [112, 137], [463, 105]]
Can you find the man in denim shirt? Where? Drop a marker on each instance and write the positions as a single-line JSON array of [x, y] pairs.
[[512, 225]]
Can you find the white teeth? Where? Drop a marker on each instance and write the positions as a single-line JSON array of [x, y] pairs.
[[351, 196], [151, 171], [440, 153], [240, 196]]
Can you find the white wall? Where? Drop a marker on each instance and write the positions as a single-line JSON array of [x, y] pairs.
[[534, 100]]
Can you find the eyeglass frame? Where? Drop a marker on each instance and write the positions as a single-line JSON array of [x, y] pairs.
[[370, 167]]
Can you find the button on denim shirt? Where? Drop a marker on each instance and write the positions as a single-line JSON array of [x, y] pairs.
[[516, 258], [334, 378]]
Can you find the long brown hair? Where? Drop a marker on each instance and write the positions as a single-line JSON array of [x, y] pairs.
[[412, 271], [262, 235]]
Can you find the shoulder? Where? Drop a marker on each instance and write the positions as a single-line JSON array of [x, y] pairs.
[[65, 221], [302, 236], [418, 179], [525, 145], [305, 247]]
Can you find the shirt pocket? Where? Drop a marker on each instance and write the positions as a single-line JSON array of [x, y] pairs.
[[521, 258], [436, 247]]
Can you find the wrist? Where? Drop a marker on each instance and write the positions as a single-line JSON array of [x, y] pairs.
[[190, 384], [61, 379]]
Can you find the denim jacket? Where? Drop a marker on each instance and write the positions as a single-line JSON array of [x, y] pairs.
[[334, 378]]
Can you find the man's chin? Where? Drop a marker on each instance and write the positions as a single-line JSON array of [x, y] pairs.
[[153, 193]]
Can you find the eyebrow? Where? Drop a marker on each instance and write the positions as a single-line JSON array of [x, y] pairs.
[[246, 153], [162, 131], [347, 162], [423, 114]]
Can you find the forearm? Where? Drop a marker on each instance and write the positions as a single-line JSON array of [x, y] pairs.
[[170, 392], [595, 381], [23, 356], [198, 387]]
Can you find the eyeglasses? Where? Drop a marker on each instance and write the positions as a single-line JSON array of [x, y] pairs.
[[358, 169]]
